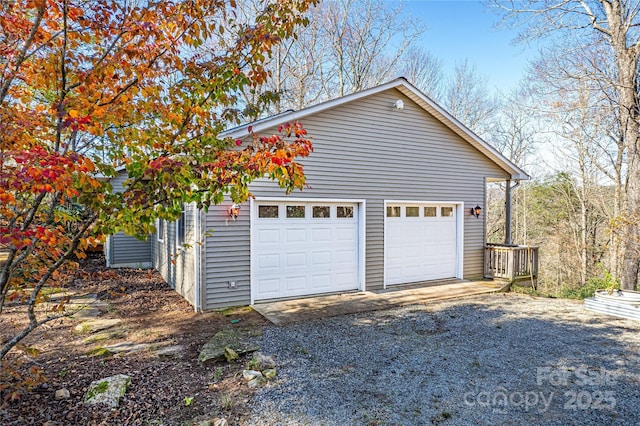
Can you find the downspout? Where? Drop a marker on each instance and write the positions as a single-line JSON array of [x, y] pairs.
[[507, 219], [196, 258]]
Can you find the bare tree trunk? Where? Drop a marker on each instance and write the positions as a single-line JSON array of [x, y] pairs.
[[627, 59]]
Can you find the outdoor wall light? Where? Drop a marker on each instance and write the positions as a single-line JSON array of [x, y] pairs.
[[399, 104], [475, 211], [234, 211]]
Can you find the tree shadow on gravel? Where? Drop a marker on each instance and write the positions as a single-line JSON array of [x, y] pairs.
[[496, 359]]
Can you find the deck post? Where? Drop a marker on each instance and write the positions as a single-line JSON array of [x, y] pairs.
[[507, 214]]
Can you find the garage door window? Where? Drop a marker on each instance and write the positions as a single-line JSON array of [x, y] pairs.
[[295, 212], [345, 211], [268, 212], [393, 211], [446, 211], [430, 211], [321, 211], [413, 211]]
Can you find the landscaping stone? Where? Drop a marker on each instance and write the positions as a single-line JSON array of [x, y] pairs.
[[62, 394], [254, 383], [270, 373], [107, 391], [84, 307], [114, 333], [170, 351], [251, 374], [264, 361], [241, 341], [128, 347], [96, 325]]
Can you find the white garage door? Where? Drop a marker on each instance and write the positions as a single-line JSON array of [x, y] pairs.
[[420, 242], [302, 248]]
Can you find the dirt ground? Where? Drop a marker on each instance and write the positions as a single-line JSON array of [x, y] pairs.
[[164, 391]]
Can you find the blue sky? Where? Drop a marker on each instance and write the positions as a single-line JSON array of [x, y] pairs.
[[464, 29]]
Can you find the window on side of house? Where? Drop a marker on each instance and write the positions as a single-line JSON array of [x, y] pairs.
[[160, 230], [181, 229]]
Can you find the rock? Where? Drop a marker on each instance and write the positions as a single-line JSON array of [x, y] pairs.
[[270, 373], [62, 394], [254, 383], [264, 361], [170, 351], [230, 354], [107, 391], [115, 333], [251, 374], [96, 325], [128, 347], [88, 306], [241, 341], [220, 422]]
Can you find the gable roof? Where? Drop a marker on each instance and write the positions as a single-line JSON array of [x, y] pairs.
[[409, 90]]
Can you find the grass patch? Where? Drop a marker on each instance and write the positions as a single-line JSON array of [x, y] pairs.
[[226, 401]]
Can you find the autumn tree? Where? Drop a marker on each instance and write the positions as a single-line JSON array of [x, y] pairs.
[[614, 25], [89, 87]]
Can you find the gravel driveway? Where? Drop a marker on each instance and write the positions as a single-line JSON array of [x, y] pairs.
[[492, 359]]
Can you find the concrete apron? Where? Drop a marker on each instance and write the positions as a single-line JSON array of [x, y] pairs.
[[289, 311]]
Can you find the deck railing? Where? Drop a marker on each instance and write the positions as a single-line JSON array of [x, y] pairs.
[[511, 263]]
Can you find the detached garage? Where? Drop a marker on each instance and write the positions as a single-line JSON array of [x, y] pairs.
[[391, 183]]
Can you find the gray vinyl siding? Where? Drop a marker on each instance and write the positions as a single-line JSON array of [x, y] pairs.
[[129, 252], [124, 250], [177, 264], [365, 149], [226, 257]]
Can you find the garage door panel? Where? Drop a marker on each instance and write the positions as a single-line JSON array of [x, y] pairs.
[[314, 254], [296, 260], [345, 234], [345, 280], [268, 236], [269, 286], [321, 282], [321, 258], [294, 284], [269, 261], [295, 235], [321, 235]]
